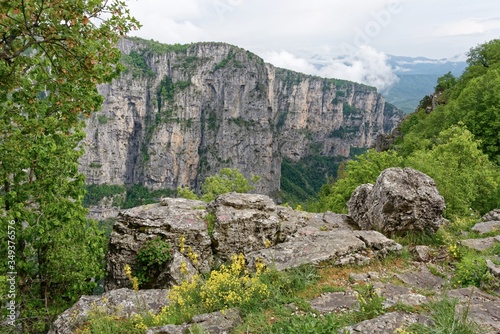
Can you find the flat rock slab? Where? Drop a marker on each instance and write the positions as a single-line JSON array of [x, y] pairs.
[[120, 302], [481, 244], [484, 309], [216, 322], [394, 294], [422, 278], [335, 302], [387, 323], [342, 247], [487, 227]]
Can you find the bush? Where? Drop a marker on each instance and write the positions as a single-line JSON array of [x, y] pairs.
[[150, 257]]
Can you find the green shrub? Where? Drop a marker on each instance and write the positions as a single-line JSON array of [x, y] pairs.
[[185, 192], [150, 257]]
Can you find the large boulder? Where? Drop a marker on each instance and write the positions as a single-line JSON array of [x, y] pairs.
[[243, 223], [401, 201], [121, 303], [171, 220]]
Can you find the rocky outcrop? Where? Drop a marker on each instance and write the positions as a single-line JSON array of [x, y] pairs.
[[401, 201], [340, 247], [243, 223], [181, 113], [493, 215], [119, 303], [249, 224], [172, 220]]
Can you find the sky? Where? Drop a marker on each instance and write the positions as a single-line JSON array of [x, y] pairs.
[[348, 39]]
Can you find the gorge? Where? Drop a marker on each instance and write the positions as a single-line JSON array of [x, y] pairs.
[[180, 113]]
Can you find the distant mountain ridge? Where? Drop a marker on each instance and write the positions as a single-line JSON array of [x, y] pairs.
[[417, 78]]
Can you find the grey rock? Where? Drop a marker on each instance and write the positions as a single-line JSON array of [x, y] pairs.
[[121, 302], [169, 220], [487, 227], [422, 278], [480, 244], [246, 114], [334, 302], [339, 247], [422, 253], [250, 224], [371, 275], [244, 223], [176, 273], [387, 323], [402, 200], [222, 322], [482, 308], [493, 215], [494, 269], [394, 294]]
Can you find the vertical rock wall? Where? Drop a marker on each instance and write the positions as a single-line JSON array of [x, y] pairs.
[[182, 113]]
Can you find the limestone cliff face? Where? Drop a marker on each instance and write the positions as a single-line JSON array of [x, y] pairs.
[[181, 113]]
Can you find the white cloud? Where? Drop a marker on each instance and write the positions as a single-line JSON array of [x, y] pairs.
[[366, 65], [287, 60], [469, 26]]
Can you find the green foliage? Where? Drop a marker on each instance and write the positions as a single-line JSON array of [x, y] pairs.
[[365, 168], [309, 323], [52, 56], [161, 48], [185, 192], [166, 91], [446, 82], [210, 220], [94, 193], [149, 259], [242, 122], [140, 195], [446, 319], [479, 108], [471, 268], [302, 180], [471, 99], [227, 180], [462, 172], [136, 63], [123, 196], [349, 110], [212, 121], [106, 226], [102, 119], [229, 286], [457, 144]]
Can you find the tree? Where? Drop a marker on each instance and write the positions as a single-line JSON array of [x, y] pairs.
[[52, 56], [479, 107], [463, 174], [227, 180]]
